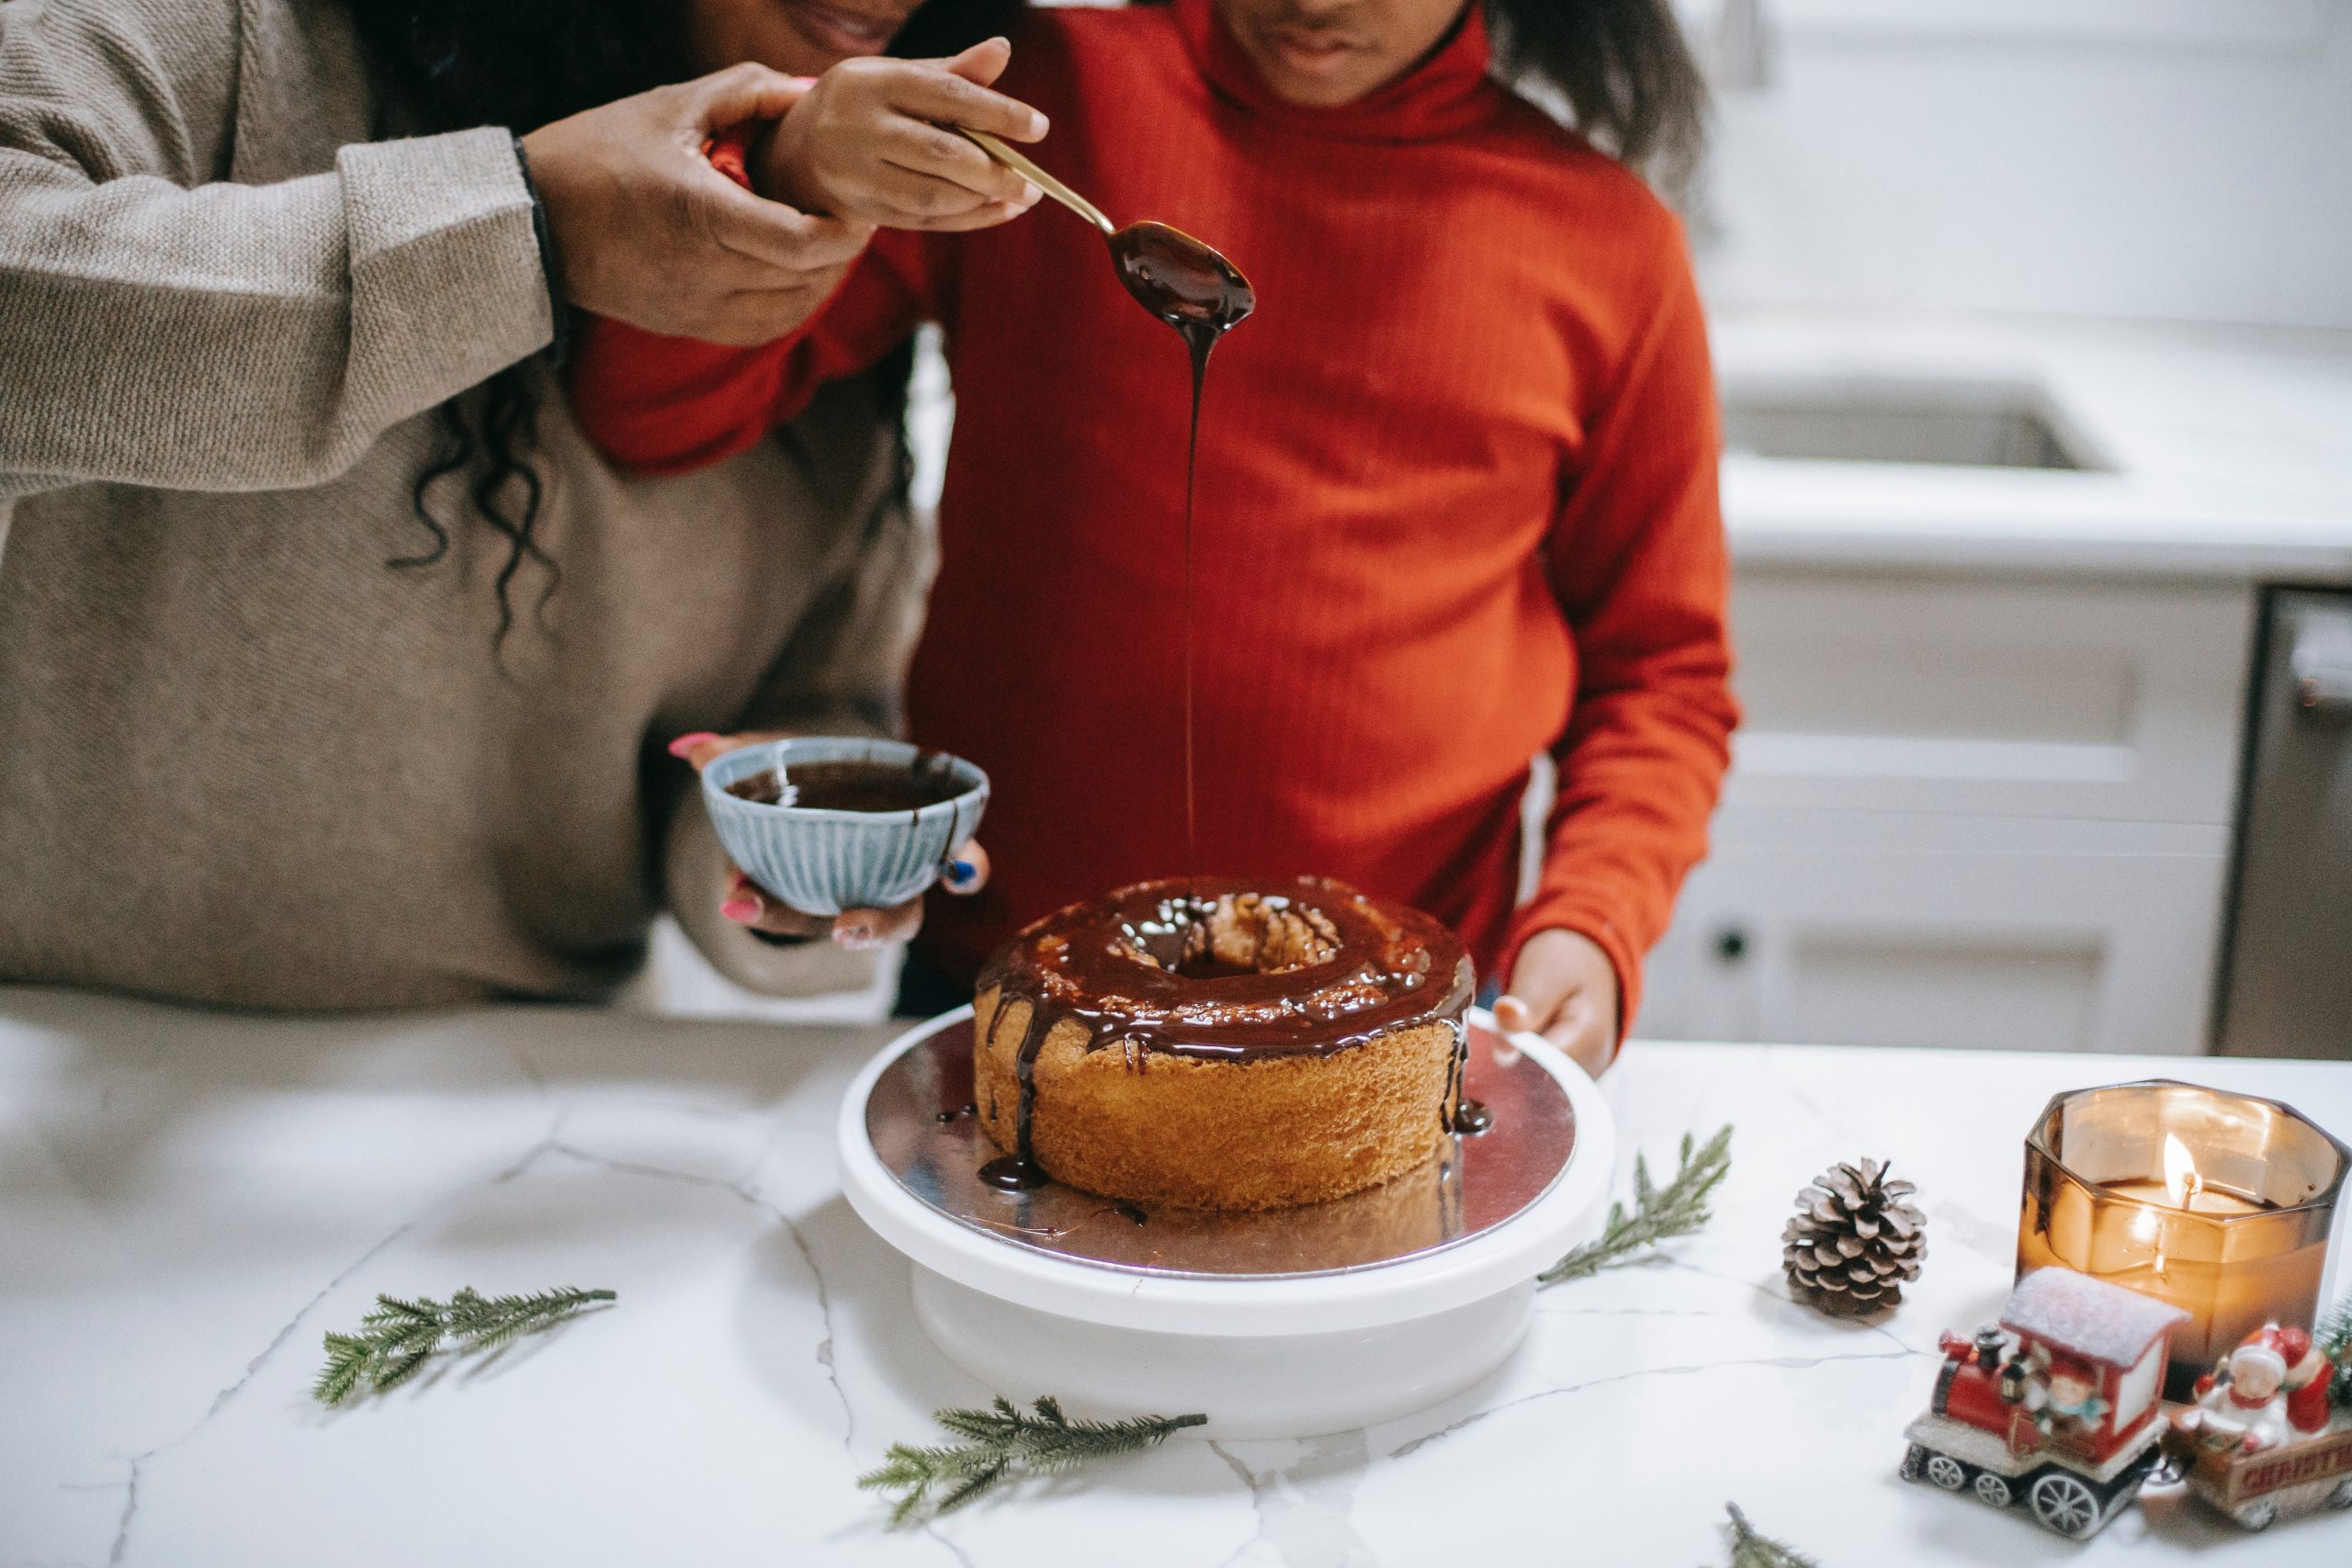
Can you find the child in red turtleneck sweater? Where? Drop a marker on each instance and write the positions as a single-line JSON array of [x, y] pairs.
[[1456, 486]]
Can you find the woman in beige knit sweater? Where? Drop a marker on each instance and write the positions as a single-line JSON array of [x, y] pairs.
[[335, 669]]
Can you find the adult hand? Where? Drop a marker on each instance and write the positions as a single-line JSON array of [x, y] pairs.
[[867, 143], [645, 232], [744, 902], [1563, 987]]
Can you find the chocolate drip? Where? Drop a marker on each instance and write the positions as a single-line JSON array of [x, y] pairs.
[[1143, 969], [1019, 1170], [1010, 1173], [1199, 340], [1202, 296]]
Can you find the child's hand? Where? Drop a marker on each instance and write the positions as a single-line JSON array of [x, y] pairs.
[[743, 901], [867, 143], [647, 233], [1565, 989]]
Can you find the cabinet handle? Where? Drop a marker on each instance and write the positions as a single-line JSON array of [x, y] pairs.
[[2321, 662]]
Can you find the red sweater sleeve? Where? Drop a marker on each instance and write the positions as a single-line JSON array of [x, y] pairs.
[[667, 405], [1638, 561]]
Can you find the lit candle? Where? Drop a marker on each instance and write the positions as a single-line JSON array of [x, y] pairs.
[[2219, 1203], [2184, 1188]]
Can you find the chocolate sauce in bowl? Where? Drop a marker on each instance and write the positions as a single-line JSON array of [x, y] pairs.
[[1143, 969], [855, 785]]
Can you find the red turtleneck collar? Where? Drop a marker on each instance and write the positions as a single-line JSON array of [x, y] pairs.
[[1446, 93]]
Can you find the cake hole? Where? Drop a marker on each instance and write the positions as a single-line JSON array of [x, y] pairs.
[[1240, 933]]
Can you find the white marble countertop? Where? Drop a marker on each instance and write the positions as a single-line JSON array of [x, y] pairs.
[[2231, 449], [188, 1200]]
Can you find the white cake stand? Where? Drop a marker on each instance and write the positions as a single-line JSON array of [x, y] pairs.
[[1411, 1294]]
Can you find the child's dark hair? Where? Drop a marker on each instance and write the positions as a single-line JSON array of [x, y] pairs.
[[1622, 71], [1619, 71]]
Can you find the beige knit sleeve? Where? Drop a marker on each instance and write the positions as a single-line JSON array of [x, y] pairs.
[[162, 326]]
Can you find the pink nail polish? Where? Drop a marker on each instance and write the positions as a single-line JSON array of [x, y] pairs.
[[685, 743], [742, 911]]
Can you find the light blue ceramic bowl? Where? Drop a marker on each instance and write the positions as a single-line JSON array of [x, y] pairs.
[[824, 861]]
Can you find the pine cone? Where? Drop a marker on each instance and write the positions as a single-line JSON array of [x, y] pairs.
[[1854, 1240]]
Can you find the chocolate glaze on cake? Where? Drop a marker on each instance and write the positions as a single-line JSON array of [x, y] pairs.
[[1231, 971]]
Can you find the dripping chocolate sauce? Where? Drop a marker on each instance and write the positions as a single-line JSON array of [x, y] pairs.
[[1388, 969], [1192, 289], [1130, 967]]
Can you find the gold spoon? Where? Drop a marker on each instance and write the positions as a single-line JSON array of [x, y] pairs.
[[1036, 177], [1178, 278]]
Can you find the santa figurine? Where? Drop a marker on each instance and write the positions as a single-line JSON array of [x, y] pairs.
[[2272, 1390]]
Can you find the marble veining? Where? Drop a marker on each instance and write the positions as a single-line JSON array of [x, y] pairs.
[[187, 1201]]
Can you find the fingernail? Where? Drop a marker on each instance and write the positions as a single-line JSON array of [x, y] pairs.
[[960, 871], [1038, 124], [685, 743], [1030, 195], [742, 911]]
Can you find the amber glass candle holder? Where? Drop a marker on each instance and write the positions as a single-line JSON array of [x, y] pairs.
[[2219, 1203]]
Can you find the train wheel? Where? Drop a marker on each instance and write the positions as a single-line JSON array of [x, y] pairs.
[[2342, 1496], [2064, 1502], [1914, 1461], [1992, 1489], [2259, 1515], [1947, 1471]]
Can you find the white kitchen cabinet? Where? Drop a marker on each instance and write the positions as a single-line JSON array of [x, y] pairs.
[[1967, 811]]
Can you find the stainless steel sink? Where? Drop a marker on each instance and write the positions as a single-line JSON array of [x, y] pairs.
[[1872, 419]]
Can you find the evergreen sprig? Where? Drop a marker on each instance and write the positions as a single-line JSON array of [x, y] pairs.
[[1660, 1214], [400, 1335], [2335, 1339], [1749, 1549], [1003, 1444]]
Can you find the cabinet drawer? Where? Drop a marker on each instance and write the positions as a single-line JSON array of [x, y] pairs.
[[1884, 929], [2009, 697]]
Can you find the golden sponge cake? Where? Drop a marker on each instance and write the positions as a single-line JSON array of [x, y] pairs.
[[1221, 1046]]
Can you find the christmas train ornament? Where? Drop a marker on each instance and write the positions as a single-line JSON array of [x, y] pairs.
[[2264, 1442], [2056, 1408]]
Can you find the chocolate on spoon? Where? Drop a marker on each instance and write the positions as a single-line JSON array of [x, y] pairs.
[[1178, 278]]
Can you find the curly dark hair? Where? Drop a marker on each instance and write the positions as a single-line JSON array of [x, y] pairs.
[[455, 64]]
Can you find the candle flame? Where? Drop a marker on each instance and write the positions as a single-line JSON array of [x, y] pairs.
[[2182, 1182]]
